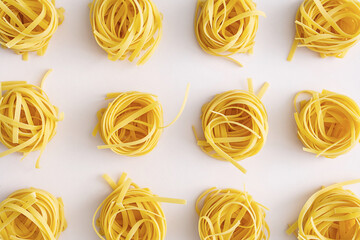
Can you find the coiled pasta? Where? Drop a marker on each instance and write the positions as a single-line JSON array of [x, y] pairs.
[[131, 212], [124, 28], [332, 213], [329, 27], [226, 27], [328, 123], [31, 214], [132, 123], [230, 214], [28, 25], [28, 120], [235, 125]]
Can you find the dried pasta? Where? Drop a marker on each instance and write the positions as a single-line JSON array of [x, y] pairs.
[[230, 214], [131, 212], [125, 28], [28, 120], [328, 123], [132, 123], [329, 27], [31, 214], [235, 125], [28, 25], [332, 213], [226, 27]]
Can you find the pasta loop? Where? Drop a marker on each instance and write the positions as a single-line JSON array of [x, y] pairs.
[[230, 214], [31, 214], [328, 123], [235, 125], [329, 27], [131, 212], [127, 27], [132, 123], [28, 120], [27, 25], [332, 213], [226, 27]]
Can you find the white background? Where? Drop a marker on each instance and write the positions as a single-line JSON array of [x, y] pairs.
[[281, 176]]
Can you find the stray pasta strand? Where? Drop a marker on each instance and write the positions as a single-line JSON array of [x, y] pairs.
[[332, 213], [328, 123], [132, 123], [28, 120], [126, 28], [31, 214], [131, 212], [329, 27], [230, 214], [235, 125], [27, 25], [226, 27]]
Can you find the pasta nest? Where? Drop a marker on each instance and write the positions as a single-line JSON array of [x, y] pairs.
[[331, 213], [132, 123], [131, 212], [226, 27], [230, 214], [31, 214], [28, 120], [328, 123], [329, 27], [235, 125], [28, 25], [124, 28]]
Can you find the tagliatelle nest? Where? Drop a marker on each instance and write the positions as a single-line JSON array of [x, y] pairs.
[[329, 27], [126, 28], [28, 25]]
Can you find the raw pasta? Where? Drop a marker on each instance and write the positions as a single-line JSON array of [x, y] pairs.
[[230, 214], [226, 27], [332, 213], [28, 25], [132, 123], [328, 123], [124, 28], [31, 214], [28, 120], [235, 125], [131, 212], [329, 27]]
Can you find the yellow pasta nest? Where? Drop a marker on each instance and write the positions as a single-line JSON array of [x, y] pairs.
[[230, 214], [131, 212], [329, 27], [28, 120], [31, 214], [226, 27], [28, 25], [132, 123], [328, 123], [331, 213], [235, 125], [124, 28]]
